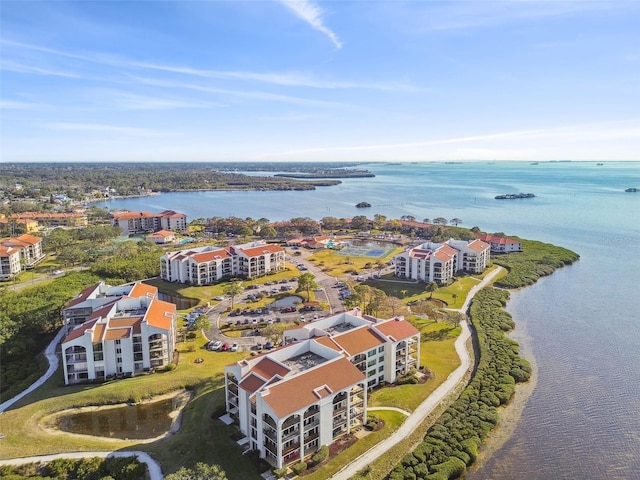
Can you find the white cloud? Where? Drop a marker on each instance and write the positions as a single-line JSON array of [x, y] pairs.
[[311, 13], [17, 105], [94, 127]]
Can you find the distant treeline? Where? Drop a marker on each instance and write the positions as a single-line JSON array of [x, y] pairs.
[[78, 179]]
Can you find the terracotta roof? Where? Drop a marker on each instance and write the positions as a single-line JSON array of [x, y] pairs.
[[268, 368], [261, 250], [358, 340], [143, 290], [82, 296], [78, 332], [251, 383], [300, 391], [98, 332], [160, 314], [478, 246], [117, 333], [129, 322], [103, 311], [161, 234], [398, 329], [30, 239], [442, 256], [132, 215], [485, 237], [6, 251], [328, 342], [209, 256]]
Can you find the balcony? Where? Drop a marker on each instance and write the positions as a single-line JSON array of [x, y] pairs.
[[311, 437], [290, 435], [76, 358], [270, 433], [314, 423]]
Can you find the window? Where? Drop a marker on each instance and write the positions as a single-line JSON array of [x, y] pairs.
[[381, 368], [371, 353], [381, 349]]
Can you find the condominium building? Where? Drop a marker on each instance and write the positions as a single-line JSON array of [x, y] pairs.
[[438, 262], [145, 222], [500, 244], [9, 262], [207, 265], [297, 398], [30, 248], [133, 332], [54, 219]]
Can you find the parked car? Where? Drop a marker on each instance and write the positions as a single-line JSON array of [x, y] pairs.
[[214, 345], [268, 345], [234, 347], [225, 347], [58, 272], [219, 298]]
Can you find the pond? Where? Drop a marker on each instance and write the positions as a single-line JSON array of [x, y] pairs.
[[288, 301], [181, 303], [139, 421]]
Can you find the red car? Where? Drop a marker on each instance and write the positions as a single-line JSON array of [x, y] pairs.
[[224, 347]]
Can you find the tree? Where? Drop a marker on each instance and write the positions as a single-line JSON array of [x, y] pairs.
[[268, 232], [201, 323], [307, 281], [72, 255], [455, 221], [431, 287], [379, 221], [395, 225], [201, 471], [275, 332], [440, 221], [233, 289], [426, 220], [360, 222], [58, 239]]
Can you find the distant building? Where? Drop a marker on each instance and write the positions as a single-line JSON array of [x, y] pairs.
[[161, 237], [500, 244], [55, 219], [125, 330], [297, 398], [30, 249], [145, 222], [316, 242], [9, 262], [208, 265], [438, 262]]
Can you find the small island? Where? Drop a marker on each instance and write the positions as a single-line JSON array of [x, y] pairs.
[[632, 189], [511, 196], [363, 205]]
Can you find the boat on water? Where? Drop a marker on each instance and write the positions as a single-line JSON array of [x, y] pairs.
[[632, 189], [511, 196]]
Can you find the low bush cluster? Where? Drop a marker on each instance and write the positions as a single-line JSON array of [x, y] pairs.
[[451, 444], [95, 468]]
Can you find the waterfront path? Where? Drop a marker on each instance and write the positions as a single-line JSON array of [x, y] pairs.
[[430, 403]]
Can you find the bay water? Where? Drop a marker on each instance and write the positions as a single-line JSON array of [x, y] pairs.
[[580, 326]]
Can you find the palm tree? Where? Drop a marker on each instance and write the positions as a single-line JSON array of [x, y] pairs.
[[233, 289], [431, 287], [307, 281]]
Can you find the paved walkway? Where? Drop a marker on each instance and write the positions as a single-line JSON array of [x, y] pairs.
[[430, 403]]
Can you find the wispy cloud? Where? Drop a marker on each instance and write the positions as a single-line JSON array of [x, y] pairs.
[[18, 105], [311, 13], [93, 127], [9, 66], [629, 130]]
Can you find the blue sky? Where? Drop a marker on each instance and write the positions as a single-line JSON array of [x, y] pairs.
[[300, 80]]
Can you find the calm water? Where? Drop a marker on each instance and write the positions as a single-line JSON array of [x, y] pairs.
[[582, 324], [144, 420]]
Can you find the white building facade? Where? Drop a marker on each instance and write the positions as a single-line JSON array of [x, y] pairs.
[[30, 248], [293, 400], [144, 222], [9, 262], [208, 265], [439, 262], [125, 336]]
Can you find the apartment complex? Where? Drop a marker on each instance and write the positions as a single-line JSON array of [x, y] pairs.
[[438, 262], [53, 219], [208, 265], [297, 398], [30, 248], [125, 330], [500, 244], [145, 222], [9, 262]]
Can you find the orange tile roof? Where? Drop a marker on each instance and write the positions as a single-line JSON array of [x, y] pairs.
[[209, 256], [98, 332], [251, 383], [161, 234], [485, 237], [398, 329], [160, 314], [143, 290], [328, 342], [117, 333], [268, 368], [358, 340], [442, 256], [132, 215], [30, 239], [6, 251], [261, 250], [478, 246], [78, 332], [82, 296], [300, 391], [129, 322]]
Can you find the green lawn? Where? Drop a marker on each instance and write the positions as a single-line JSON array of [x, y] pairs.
[[202, 436], [334, 264], [437, 354], [392, 420]]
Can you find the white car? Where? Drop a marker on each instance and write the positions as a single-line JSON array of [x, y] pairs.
[[214, 345], [219, 298], [58, 272], [233, 348]]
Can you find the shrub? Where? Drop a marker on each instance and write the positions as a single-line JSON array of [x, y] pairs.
[[300, 467], [321, 455], [280, 472]]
